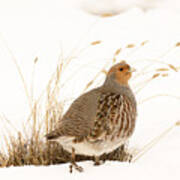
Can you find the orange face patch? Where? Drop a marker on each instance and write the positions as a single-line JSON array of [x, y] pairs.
[[122, 72]]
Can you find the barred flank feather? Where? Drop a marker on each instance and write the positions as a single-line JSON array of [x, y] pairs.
[[115, 117]]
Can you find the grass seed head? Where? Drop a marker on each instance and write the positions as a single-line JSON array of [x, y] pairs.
[[130, 46], [173, 67], [144, 43], [177, 44], [104, 71], [165, 75], [95, 42], [35, 60], [117, 51], [107, 15], [155, 75], [178, 123], [162, 69], [114, 60]]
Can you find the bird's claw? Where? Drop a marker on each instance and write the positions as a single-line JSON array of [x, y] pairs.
[[78, 168], [98, 163]]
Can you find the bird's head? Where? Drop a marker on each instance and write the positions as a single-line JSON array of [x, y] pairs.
[[121, 73]]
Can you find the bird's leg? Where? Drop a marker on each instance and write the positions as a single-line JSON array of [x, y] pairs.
[[97, 161], [73, 162]]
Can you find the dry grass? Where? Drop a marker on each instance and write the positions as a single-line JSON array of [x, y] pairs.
[[30, 148]]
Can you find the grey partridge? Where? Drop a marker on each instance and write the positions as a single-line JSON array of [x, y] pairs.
[[100, 120]]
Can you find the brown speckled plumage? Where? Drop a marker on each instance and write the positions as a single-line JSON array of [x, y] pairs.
[[115, 117], [100, 120]]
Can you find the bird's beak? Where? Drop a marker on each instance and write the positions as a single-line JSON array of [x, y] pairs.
[[132, 70]]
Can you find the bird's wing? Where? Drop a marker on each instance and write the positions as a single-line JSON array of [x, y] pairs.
[[79, 119], [96, 116]]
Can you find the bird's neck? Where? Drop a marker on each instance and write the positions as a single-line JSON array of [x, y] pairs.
[[114, 85], [110, 85]]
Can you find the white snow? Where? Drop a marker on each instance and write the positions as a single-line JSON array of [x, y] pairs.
[[42, 29]]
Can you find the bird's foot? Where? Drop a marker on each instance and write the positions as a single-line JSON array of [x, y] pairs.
[[73, 163], [75, 166], [98, 163]]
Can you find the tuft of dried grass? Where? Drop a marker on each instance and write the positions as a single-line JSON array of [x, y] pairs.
[[31, 148], [23, 152]]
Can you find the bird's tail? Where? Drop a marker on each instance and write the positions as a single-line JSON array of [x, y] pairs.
[[52, 135]]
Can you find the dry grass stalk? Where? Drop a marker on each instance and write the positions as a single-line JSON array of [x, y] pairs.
[[19, 71], [90, 83], [140, 86], [154, 141], [157, 96]]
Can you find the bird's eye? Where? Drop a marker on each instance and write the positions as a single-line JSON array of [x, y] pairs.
[[120, 69]]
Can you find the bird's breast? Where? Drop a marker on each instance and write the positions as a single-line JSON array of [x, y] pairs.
[[115, 118]]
